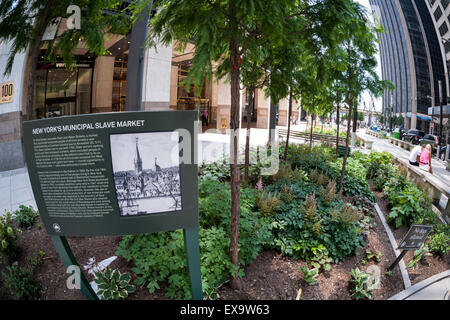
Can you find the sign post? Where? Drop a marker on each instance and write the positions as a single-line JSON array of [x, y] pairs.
[[413, 240], [116, 174]]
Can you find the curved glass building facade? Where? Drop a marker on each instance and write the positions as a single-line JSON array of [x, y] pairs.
[[413, 58]]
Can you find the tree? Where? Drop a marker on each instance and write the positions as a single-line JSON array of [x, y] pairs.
[[224, 31], [360, 48], [23, 23]]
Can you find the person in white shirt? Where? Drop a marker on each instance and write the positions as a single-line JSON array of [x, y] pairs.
[[415, 155]]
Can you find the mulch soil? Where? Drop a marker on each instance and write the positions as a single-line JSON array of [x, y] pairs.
[[428, 266], [271, 276]]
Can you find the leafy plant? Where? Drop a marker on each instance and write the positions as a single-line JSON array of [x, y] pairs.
[[418, 256], [218, 170], [372, 256], [310, 275], [321, 259], [409, 207], [113, 285], [360, 285], [19, 280], [25, 216], [161, 256], [439, 243], [8, 237]]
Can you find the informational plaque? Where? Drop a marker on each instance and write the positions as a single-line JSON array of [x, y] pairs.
[[415, 237], [115, 173], [7, 92]]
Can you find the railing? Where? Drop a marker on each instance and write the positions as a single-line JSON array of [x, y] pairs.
[[282, 133]]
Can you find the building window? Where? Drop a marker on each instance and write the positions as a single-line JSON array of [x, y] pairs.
[[438, 13], [443, 29]]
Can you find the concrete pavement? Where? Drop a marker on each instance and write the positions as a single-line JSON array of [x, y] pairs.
[[15, 190], [439, 170]]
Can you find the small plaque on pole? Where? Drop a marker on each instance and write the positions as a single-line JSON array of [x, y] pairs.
[[415, 237]]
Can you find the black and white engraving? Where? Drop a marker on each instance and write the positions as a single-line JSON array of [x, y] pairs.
[[146, 172]]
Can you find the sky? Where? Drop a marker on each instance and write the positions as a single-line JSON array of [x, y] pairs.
[[366, 96]]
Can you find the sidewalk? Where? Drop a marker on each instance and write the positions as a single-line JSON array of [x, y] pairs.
[[439, 170], [436, 287], [15, 190]]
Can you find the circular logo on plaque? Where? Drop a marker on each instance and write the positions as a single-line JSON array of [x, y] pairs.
[[56, 227]]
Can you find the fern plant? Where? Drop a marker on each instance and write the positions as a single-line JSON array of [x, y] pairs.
[[113, 285]]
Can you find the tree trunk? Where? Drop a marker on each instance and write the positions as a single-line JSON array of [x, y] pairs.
[[34, 56], [337, 129], [251, 107], [289, 125], [311, 131], [350, 108], [355, 123], [234, 166]]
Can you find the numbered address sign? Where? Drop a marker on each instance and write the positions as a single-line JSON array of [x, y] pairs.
[[7, 92]]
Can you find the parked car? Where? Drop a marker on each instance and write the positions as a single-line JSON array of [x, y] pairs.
[[434, 142], [430, 139], [413, 136]]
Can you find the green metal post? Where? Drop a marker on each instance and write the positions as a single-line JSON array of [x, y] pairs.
[[68, 259], [191, 244]]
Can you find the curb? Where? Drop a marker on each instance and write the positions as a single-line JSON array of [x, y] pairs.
[[405, 294], [404, 272]]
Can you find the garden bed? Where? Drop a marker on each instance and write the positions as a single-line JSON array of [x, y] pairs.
[[288, 221], [269, 277], [429, 265], [274, 277]]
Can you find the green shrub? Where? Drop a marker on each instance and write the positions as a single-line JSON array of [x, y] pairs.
[[218, 170], [161, 256], [113, 285], [25, 216], [308, 222], [8, 237], [19, 280], [409, 206], [376, 163], [439, 243]]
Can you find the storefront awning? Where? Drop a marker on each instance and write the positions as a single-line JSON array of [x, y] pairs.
[[436, 111]]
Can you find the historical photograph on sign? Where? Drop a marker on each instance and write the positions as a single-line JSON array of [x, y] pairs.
[[146, 172]]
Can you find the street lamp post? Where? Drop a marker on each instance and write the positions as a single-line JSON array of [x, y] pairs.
[[440, 120], [432, 114], [391, 110]]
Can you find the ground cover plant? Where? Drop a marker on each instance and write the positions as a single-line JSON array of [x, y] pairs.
[[150, 253], [25, 216]]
